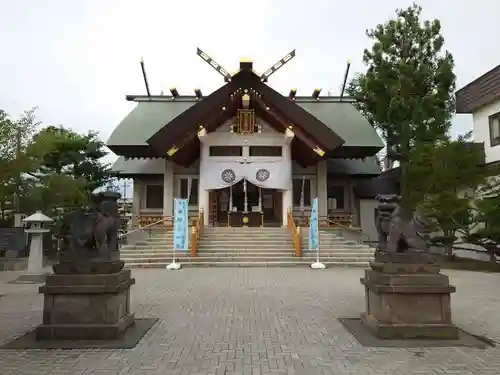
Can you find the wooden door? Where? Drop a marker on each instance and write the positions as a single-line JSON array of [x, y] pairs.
[[278, 206], [268, 204], [212, 207], [222, 206]]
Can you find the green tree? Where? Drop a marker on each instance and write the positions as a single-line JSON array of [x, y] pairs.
[[488, 236], [52, 169], [407, 91], [15, 135], [62, 151], [452, 178], [53, 192]]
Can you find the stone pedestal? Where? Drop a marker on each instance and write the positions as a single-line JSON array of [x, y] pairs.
[[90, 306], [407, 297]]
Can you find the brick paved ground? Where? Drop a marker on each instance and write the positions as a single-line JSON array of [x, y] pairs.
[[254, 321]]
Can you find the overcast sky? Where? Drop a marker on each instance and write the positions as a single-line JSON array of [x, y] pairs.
[[77, 59]]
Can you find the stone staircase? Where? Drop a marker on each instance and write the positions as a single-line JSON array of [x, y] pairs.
[[246, 247], [337, 250]]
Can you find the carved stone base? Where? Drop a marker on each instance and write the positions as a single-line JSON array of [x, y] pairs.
[[406, 299], [86, 306]]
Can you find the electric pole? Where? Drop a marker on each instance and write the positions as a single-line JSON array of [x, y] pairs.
[[18, 177]]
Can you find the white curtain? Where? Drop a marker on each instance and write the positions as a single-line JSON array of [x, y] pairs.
[[264, 174], [271, 175], [217, 175]]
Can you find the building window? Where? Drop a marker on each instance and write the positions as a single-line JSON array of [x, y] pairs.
[[225, 151], [494, 129], [154, 196], [193, 195], [297, 191], [336, 197], [266, 151]]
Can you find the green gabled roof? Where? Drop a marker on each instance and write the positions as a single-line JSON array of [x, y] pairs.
[[145, 120], [148, 117], [346, 121], [127, 167]]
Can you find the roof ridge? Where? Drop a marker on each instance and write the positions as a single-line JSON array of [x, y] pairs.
[[193, 98]]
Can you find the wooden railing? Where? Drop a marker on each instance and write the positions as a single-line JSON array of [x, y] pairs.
[[334, 220], [155, 220], [340, 220], [196, 232], [295, 232], [332, 223], [154, 224]]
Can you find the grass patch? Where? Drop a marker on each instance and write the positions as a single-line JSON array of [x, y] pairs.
[[467, 264]]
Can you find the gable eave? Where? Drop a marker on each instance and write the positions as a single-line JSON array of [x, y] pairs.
[[480, 92], [187, 121], [310, 124], [134, 151]]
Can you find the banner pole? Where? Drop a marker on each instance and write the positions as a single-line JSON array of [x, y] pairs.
[[315, 224], [317, 231], [180, 223]]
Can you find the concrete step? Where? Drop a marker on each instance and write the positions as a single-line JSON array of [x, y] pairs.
[[200, 254], [239, 238], [281, 252], [277, 253], [250, 245], [245, 259], [248, 252], [257, 250], [246, 247], [249, 264], [245, 239], [246, 236], [246, 233], [326, 241], [156, 239], [245, 229]]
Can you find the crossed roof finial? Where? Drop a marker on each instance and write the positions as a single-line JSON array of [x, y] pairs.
[[227, 76]]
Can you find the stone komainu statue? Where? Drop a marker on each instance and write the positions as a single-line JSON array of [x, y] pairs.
[[397, 231], [92, 234]]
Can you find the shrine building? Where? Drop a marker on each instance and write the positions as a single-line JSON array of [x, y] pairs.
[[246, 154]]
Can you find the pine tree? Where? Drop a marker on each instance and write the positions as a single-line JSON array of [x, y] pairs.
[[407, 91]]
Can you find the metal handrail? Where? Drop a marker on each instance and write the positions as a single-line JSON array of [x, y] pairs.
[[339, 225], [141, 228], [196, 232], [295, 232]]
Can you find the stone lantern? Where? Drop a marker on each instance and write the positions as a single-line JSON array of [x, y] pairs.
[[35, 272]]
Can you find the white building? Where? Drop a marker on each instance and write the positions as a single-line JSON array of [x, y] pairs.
[[481, 98]]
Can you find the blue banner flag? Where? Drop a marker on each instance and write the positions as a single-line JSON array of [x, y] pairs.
[[181, 227], [313, 240]]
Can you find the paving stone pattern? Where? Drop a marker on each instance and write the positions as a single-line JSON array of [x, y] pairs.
[[254, 321]]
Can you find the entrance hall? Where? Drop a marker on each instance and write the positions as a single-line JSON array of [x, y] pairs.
[[230, 206]]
